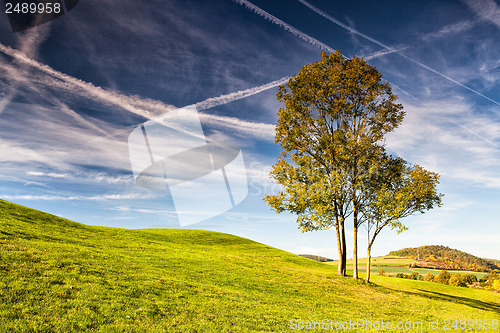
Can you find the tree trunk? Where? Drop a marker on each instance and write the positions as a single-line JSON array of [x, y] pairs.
[[355, 252], [344, 247], [355, 247], [339, 247], [368, 263]]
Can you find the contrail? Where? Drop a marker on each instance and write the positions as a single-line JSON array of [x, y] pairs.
[[337, 22], [149, 109], [143, 107], [286, 26], [384, 52], [474, 133], [354, 31], [259, 130], [132, 104], [224, 99]]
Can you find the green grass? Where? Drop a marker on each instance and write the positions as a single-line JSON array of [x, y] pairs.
[[61, 276]]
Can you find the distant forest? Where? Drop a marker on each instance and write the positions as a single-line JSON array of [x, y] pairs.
[[443, 257]]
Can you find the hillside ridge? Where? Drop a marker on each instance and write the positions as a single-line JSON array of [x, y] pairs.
[[444, 257]]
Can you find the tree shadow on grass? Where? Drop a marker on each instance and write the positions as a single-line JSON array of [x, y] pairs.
[[481, 305], [434, 295]]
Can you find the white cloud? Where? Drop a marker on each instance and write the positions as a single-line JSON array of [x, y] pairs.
[[488, 10], [100, 177], [451, 138], [450, 30], [256, 130], [103, 197]]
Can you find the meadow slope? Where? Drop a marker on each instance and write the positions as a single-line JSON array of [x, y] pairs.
[[62, 276]]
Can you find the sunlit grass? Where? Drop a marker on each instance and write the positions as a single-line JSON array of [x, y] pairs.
[[61, 276]]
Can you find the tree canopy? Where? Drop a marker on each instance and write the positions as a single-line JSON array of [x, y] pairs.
[[331, 128]]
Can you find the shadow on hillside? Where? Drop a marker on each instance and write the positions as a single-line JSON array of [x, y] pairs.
[[434, 295], [488, 306]]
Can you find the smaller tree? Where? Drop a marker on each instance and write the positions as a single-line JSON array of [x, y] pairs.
[[496, 285], [397, 190], [442, 277], [429, 277], [456, 280], [469, 278], [493, 280], [381, 272]]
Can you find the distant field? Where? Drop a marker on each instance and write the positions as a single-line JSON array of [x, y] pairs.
[[393, 265], [61, 276], [424, 271]]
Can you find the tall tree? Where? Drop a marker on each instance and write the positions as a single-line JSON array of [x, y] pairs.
[[395, 191], [336, 113]]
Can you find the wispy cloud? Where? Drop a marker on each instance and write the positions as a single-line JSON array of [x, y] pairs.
[[146, 108], [450, 30], [29, 43], [487, 10], [99, 177], [145, 211], [104, 197], [384, 52], [446, 136], [257, 130]]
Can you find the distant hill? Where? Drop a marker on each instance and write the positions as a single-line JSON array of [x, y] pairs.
[[317, 258], [443, 257]]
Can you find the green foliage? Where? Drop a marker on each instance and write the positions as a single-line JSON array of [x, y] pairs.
[[336, 110], [469, 278], [429, 277], [495, 285], [399, 190], [492, 281], [443, 257], [457, 281], [442, 277], [334, 164], [412, 276]]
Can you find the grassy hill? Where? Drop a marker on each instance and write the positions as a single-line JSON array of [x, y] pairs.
[[61, 276], [443, 257]]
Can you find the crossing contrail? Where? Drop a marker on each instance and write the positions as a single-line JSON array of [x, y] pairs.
[[284, 25], [134, 104], [224, 99], [354, 31], [144, 107], [384, 52]]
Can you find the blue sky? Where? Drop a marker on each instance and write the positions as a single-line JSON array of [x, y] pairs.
[[72, 91]]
